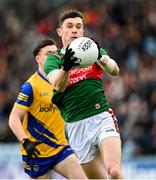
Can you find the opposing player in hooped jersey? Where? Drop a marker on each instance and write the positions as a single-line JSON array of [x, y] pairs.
[[38, 125], [91, 125]]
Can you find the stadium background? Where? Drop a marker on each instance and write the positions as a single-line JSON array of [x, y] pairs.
[[127, 30]]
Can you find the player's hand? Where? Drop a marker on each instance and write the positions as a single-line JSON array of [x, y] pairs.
[[99, 54], [69, 60], [30, 148]]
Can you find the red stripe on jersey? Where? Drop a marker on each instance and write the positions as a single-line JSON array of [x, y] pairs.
[[110, 111], [78, 74]]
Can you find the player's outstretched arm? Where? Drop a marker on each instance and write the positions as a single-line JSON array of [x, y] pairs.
[[59, 78], [109, 65]]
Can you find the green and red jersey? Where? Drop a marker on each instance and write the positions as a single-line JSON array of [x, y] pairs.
[[84, 96]]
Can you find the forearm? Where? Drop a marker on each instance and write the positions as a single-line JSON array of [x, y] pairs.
[[17, 128], [109, 65], [59, 79], [15, 123]]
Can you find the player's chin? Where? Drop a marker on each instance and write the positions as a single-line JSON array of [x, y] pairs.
[[72, 39], [75, 37]]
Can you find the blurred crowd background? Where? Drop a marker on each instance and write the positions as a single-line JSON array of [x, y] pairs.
[[126, 29]]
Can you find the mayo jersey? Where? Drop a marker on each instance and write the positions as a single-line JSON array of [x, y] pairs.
[[84, 96], [42, 121]]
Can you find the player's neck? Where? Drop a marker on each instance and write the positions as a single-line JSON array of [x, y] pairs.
[[42, 72]]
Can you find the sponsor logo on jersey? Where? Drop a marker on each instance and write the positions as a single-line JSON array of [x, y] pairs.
[[79, 74], [44, 94], [47, 108]]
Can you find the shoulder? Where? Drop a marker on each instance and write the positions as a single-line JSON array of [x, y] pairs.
[[55, 55], [26, 88], [28, 85], [25, 96]]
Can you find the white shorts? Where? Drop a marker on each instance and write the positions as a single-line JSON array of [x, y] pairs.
[[86, 135]]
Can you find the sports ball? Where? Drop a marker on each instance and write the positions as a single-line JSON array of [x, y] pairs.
[[86, 51]]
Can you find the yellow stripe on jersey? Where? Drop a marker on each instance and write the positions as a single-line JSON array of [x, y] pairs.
[[23, 97], [26, 166]]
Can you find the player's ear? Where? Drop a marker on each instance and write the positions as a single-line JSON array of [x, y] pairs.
[[58, 30], [37, 58]]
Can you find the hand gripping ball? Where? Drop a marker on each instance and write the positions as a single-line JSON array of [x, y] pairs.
[[86, 51]]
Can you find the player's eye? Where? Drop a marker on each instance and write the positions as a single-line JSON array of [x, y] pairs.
[[79, 26], [69, 26]]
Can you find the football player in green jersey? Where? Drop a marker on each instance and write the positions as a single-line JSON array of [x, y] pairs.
[[91, 126], [38, 125]]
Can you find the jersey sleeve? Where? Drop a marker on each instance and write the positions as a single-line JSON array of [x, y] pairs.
[[25, 96], [103, 51], [52, 62]]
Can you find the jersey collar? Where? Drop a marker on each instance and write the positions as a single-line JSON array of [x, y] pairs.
[[42, 76]]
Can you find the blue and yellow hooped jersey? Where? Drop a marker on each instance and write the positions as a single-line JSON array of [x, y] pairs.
[[43, 120]]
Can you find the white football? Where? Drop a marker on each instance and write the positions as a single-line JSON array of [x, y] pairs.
[[86, 51]]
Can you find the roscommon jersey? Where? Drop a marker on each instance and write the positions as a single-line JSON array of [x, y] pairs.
[[43, 120], [84, 95]]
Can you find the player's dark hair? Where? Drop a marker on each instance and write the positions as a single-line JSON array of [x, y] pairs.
[[41, 44], [69, 14]]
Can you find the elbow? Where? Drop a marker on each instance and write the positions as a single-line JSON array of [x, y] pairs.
[[10, 123], [60, 89]]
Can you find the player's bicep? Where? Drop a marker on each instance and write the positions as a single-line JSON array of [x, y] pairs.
[[17, 114]]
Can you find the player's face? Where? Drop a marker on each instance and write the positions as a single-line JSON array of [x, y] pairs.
[[70, 29], [44, 52]]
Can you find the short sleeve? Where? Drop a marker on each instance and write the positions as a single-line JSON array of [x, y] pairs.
[[52, 62], [103, 51], [25, 96]]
